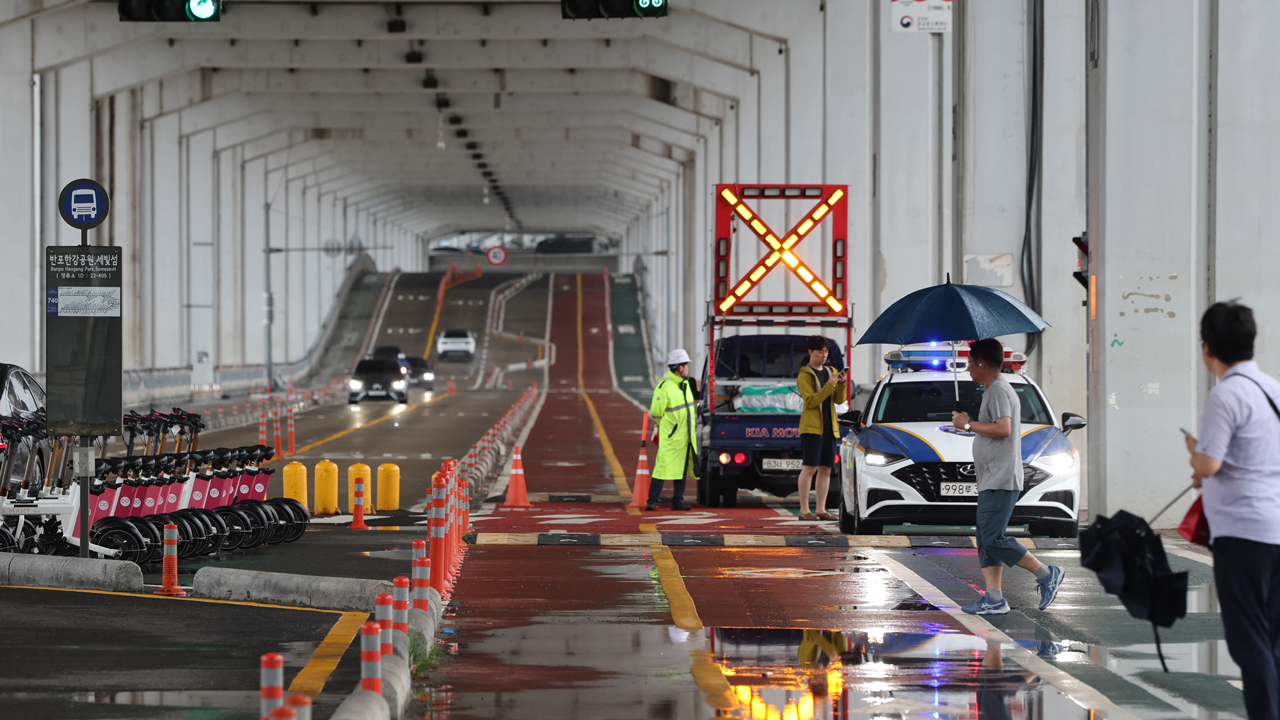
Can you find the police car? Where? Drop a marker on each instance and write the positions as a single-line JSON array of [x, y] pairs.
[[904, 463]]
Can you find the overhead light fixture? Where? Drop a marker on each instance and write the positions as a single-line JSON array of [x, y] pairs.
[[396, 25], [430, 82], [413, 57], [455, 119]]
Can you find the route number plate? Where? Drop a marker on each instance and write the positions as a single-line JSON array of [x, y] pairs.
[[782, 464], [959, 489]]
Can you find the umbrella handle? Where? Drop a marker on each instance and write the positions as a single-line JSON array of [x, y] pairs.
[[1171, 502]]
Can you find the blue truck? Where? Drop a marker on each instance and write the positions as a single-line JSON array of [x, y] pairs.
[[750, 437]]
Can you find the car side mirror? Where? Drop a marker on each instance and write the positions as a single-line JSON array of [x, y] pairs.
[[1072, 421], [853, 418]]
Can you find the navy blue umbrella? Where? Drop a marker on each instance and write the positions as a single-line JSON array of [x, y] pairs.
[[950, 312]]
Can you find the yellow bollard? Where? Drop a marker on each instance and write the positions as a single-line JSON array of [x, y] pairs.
[[295, 482], [388, 486], [326, 488], [359, 470]]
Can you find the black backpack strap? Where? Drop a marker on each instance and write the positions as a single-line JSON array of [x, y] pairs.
[[1270, 402]]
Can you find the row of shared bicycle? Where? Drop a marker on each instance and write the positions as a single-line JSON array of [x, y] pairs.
[[217, 498]]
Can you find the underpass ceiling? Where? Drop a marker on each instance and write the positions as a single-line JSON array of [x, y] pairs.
[[571, 125]]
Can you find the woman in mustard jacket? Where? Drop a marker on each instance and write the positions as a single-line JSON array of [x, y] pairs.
[[821, 387]]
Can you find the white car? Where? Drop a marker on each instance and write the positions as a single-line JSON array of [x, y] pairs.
[[456, 343], [905, 464]]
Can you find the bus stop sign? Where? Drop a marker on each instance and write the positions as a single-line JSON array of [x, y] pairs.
[[83, 204]]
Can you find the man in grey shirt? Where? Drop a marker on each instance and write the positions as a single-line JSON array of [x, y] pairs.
[[997, 458]]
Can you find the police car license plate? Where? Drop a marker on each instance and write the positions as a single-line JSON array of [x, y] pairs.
[[781, 464], [959, 489]]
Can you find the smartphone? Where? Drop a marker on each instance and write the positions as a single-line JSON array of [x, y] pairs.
[[1185, 431]]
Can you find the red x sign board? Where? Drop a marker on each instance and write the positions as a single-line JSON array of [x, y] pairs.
[[831, 204]]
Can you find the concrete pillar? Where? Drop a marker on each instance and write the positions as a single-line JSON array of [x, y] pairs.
[[202, 271], [23, 275], [163, 244], [233, 321], [1149, 210]]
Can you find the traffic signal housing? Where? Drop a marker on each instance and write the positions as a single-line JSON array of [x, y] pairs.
[[170, 10], [612, 9]]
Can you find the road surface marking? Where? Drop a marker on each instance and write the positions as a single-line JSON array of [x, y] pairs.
[[1084, 695], [619, 477], [350, 430], [683, 612], [311, 678]]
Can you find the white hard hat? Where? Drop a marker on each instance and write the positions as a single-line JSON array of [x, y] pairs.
[[677, 357]]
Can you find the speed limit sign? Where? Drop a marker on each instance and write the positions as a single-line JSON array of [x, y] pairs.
[[496, 255]]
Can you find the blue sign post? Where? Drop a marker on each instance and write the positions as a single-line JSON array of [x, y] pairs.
[[83, 336], [83, 204]]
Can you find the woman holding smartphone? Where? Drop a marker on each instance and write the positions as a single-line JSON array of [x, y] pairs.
[[821, 386]]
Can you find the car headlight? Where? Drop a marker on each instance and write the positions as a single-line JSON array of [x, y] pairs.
[[877, 457], [1059, 461], [356, 385], [428, 376], [399, 385]]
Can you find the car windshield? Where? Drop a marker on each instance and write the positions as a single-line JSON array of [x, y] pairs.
[[456, 334], [768, 356], [378, 367], [934, 401]]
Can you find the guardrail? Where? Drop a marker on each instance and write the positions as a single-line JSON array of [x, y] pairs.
[[481, 464], [144, 387]]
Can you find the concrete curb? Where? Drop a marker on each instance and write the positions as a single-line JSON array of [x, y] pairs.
[[362, 705], [397, 676], [70, 572], [328, 593]]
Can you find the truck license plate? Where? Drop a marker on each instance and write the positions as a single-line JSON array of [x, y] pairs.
[[959, 489], [782, 464]]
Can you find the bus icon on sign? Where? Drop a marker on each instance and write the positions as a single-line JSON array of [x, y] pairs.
[[84, 203]]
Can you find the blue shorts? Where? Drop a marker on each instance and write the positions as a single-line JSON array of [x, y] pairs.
[[995, 549], [818, 450]]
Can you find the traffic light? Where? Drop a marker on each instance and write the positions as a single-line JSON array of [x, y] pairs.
[[170, 10], [612, 9], [1082, 262]]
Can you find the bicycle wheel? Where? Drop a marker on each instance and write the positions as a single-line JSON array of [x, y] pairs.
[[153, 534], [301, 517], [239, 528], [255, 520], [288, 516], [200, 531], [263, 519], [121, 537], [218, 530], [7, 542]]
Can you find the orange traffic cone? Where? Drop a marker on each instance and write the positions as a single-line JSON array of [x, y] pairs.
[[517, 496], [451, 386], [640, 492]]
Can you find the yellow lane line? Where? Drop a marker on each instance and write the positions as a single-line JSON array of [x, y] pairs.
[[371, 423], [683, 612], [619, 477], [150, 596], [711, 681], [706, 673], [311, 679], [436, 319], [648, 528]]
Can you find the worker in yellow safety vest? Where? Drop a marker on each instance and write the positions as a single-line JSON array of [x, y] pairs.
[[675, 433]]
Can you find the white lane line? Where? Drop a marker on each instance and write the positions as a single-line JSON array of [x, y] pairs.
[[1082, 694], [1189, 554]]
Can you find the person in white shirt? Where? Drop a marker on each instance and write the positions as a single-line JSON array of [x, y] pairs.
[[1236, 464]]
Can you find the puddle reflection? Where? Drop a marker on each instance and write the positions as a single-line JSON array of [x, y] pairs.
[[829, 675]]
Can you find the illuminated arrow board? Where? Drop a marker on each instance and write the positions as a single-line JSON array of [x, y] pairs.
[[732, 205]]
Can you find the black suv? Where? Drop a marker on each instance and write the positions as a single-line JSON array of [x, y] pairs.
[[379, 377]]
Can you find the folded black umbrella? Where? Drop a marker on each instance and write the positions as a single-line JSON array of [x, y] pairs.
[[1129, 558]]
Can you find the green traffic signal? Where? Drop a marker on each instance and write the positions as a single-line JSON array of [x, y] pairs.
[[651, 8], [201, 10]]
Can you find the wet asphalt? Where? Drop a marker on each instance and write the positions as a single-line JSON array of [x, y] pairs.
[[632, 630]]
